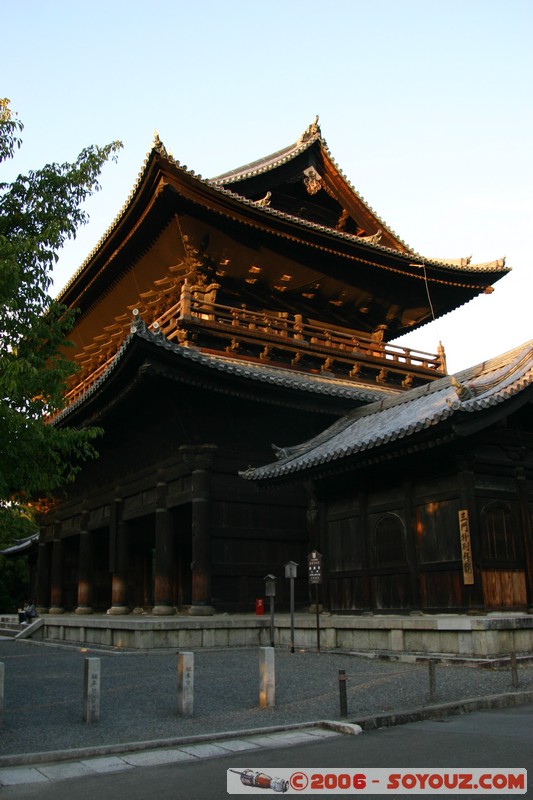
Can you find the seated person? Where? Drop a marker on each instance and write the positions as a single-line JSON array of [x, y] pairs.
[[30, 612]]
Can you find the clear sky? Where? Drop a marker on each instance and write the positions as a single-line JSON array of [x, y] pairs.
[[426, 106]]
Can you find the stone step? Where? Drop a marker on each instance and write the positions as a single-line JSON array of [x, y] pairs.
[[10, 630], [9, 625]]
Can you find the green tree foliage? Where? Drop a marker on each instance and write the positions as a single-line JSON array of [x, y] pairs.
[[14, 583], [38, 213]]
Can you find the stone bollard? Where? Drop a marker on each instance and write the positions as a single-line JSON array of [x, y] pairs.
[[267, 677], [514, 670], [91, 690], [2, 673], [185, 684], [432, 680], [343, 698]]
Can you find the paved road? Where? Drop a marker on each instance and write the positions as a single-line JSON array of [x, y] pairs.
[[490, 739]]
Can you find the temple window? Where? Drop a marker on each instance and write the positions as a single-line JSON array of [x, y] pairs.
[[389, 541], [498, 535]]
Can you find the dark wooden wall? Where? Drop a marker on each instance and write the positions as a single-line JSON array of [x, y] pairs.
[[253, 532], [391, 533]]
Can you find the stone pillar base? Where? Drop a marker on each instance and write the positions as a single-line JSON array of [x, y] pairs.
[[56, 610], [42, 610], [118, 610], [201, 611], [163, 611], [83, 610]]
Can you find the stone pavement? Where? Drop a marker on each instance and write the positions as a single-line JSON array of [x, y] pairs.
[[51, 771]]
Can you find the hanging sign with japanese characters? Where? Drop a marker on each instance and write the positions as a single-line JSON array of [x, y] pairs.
[[466, 547], [314, 566]]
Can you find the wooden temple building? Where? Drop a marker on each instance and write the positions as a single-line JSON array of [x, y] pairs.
[[217, 317]]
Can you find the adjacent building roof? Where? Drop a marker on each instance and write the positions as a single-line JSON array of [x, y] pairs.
[[21, 546], [462, 401]]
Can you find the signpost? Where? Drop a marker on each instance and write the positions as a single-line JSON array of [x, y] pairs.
[[314, 571], [270, 591], [291, 570]]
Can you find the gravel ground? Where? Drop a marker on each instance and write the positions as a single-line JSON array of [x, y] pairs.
[[43, 701]]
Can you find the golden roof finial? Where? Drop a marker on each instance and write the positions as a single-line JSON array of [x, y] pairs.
[[310, 132]]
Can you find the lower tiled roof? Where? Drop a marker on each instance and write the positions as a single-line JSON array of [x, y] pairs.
[[317, 385]]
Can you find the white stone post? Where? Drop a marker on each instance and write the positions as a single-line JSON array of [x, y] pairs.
[[267, 677], [185, 684], [91, 690]]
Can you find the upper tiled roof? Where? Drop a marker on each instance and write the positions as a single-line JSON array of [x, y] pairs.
[[452, 266], [471, 391], [267, 163], [293, 380], [311, 136]]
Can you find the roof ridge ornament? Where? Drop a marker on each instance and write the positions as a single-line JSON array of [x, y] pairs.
[[310, 132], [264, 202], [456, 262], [462, 390], [158, 145], [374, 238]]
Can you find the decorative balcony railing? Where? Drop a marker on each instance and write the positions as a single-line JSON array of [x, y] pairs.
[[277, 338]]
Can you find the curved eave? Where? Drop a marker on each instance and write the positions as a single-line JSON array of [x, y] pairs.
[[450, 407], [22, 546], [336, 242], [130, 217]]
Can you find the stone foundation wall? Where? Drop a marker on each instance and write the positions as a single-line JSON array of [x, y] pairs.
[[469, 637]]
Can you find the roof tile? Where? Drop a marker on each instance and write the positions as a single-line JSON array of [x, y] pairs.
[[367, 428]]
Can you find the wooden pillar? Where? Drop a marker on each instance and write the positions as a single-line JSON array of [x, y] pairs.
[[118, 559], [200, 460], [368, 599], [526, 538], [56, 588], [43, 577], [164, 554], [411, 545], [85, 578]]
